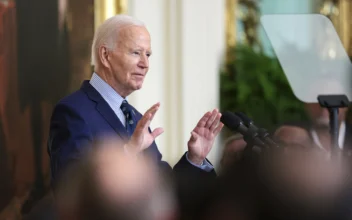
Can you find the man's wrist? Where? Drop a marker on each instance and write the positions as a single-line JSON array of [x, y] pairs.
[[196, 160]]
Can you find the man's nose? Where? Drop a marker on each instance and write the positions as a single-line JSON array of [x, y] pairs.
[[144, 62]]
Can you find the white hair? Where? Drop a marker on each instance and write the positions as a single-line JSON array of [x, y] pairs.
[[107, 33]]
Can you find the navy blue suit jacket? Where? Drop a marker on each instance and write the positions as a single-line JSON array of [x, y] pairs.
[[83, 117]]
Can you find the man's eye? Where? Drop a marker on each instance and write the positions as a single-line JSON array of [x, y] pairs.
[[148, 54], [136, 53]]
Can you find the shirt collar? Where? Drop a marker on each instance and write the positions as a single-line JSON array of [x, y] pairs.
[[106, 91]]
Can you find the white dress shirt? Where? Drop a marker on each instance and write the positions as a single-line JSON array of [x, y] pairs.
[[109, 95]]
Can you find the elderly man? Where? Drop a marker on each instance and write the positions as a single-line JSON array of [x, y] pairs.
[[120, 54]]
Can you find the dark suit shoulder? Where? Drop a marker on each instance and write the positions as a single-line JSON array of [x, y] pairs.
[[76, 104], [184, 168], [77, 99]]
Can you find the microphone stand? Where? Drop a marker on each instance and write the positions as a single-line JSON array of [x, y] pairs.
[[333, 103]]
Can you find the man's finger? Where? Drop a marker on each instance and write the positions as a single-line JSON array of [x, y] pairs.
[[211, 118], [204, 119], [215, 122], [151, 116], [218, 129], [150, 113], [143, 123], [153, 111], [147, 116], [152, 108], [157, 132], [194, 136]]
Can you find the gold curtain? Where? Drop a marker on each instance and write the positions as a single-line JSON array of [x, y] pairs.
[[248, 16], [230, 22], [345, 25], [80, 32], [104, 9], [340, 12], [230, 25]]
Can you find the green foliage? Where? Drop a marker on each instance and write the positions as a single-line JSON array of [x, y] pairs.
[[255, 84]]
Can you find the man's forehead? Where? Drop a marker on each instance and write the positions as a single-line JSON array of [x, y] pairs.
[[133, 31], [134, 37]]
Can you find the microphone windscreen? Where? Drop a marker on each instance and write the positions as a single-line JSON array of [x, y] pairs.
[[247, 121], [230, 120]]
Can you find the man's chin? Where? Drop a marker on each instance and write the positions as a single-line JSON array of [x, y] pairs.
[[137, 86]]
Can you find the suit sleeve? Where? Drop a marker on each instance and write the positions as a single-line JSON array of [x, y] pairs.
[[69, 138], [185, 169]]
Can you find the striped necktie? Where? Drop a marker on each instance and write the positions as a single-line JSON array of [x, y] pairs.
[[130, 117]]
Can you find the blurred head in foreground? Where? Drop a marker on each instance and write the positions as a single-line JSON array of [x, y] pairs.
[[109, 185], [290, 183], [292, 136], [233, 149], [305, 183], [319, 116]]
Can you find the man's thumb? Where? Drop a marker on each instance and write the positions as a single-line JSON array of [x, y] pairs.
[[194, 136]]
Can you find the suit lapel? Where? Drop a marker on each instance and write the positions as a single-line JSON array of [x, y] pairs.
[[110, 116], [105, 110]]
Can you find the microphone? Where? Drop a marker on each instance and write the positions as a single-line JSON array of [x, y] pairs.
[[263, 133], [234, 123]]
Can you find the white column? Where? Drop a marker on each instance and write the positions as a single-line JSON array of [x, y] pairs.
[[188, 41], [152, 13], [203, 41]]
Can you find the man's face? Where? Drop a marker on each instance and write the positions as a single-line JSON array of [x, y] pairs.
[[129, 61], [320, 116]]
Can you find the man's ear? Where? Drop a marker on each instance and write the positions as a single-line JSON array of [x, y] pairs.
[[104, 54]]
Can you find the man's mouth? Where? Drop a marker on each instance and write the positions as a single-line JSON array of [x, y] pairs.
[[139, 74]]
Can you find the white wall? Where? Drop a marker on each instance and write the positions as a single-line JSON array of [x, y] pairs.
[[188, 41]]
